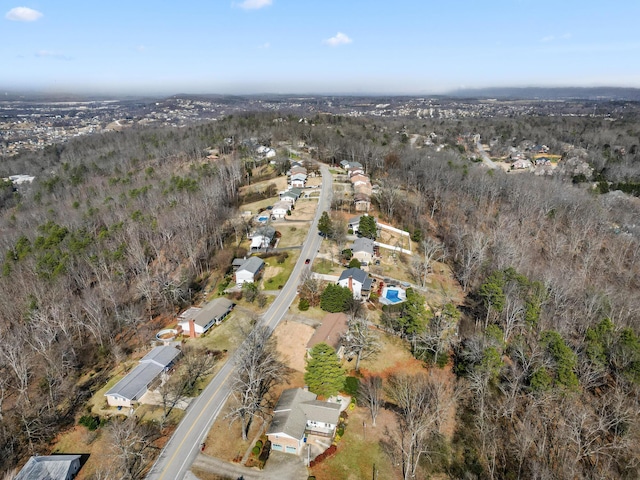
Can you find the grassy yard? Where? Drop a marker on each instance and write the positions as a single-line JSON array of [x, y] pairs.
[[282, 271], [360, 452], [291, 235]]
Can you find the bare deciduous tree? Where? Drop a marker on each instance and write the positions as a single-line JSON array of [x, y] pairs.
[[370, 393], [258, 369]]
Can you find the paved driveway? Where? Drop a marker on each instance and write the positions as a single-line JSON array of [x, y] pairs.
[[280, 466]]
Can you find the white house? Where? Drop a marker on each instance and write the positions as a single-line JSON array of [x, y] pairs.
[[196, 322], [280, 209], [249, 271], [296, 413], [356, 280], [262, 237], [298, 180], [136, 383]]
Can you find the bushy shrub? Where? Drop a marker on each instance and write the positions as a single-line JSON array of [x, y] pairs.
[[303, 305], [326, 454], [351, 385], [256, 450], [89, 421]]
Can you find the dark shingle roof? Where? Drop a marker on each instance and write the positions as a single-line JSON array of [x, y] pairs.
[[363, 244]]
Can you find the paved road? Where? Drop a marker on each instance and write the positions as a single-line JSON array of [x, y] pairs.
[[485, 158], [183, 447]]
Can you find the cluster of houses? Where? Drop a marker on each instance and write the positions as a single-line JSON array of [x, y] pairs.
[[362, 188]]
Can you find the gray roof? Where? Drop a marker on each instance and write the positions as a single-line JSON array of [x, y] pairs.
[[214, 310], [288, 418], [162, 356], [136, 382], [295, 407], [237, 262], [297, 191], [266, 231], [321, 411], [49, 467], [363, 244], [290, 194], [358, 275], [253, 265]]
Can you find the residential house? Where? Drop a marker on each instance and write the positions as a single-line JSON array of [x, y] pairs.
[[289, 197], [280, 209], [333, 328], [250, 271], [359, 180], [50, 467], [354, 223], [363, 249], [521, 164], [262, 237], [365, 188], [355, 171], [358, 281], [297, 413], [362, 202], [213, 313], [135, 384], [353, 165], [298, 169], [298, 180]]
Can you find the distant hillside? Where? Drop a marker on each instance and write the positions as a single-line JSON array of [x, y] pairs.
[[540, 93]]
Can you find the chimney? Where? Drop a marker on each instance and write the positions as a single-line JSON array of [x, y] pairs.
[[351, 283], [192, 328]]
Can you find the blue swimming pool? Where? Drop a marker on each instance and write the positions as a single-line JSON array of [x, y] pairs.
[[263, 219], [392, 295]]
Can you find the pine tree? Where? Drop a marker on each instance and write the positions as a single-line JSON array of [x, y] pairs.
[[325, 226], [324, 375]]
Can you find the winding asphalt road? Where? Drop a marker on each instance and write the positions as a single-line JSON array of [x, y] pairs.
[[183, 447]]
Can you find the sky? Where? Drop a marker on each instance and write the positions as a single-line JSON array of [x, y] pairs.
[[412, 47]]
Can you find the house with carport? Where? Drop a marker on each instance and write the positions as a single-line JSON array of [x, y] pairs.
[[299, 413], [128, 391]]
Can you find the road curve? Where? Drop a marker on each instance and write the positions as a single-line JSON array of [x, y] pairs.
[[183, 447]]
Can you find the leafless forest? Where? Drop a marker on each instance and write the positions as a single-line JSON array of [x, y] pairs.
[[123, 226]]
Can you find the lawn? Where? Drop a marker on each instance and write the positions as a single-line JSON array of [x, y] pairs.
[[327, 267], [360, 451], [283, 270], [292, 236]]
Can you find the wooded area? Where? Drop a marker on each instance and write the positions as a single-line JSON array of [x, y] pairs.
[[121, 227]]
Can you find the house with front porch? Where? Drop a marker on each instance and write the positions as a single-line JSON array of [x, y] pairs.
[[297, 414], [250, 271]]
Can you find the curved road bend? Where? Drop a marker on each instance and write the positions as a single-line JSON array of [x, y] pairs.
[[183, 447]]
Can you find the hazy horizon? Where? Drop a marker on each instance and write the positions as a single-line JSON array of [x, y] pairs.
[[336, 48]]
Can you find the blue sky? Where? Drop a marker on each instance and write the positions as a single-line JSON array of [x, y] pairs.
[[315, 46]]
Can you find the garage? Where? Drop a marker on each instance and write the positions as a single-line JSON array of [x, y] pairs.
[[276, 446], [291, 449]]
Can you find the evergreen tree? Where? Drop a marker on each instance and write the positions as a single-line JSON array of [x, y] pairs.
[[335, 298], [368, 227], [324, 374], [325, 226]]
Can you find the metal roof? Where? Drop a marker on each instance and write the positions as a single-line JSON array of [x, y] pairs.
[[253, 265], [49, 467]]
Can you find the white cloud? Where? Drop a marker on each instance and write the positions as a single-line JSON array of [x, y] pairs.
[[52, 54], [264, 46], [551, 38], [339, 39], [254, 4], [23, 14], [141, 48]]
